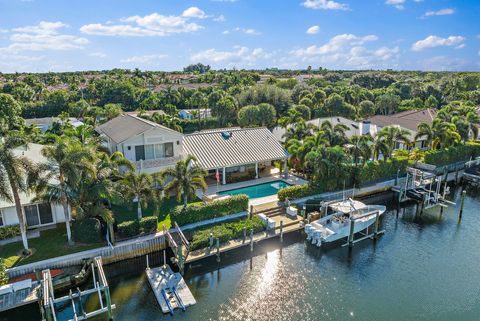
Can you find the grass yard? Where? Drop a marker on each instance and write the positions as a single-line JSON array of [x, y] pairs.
[[51, 243], [124, 213]]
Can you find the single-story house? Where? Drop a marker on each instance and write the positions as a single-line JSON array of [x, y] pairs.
[[194, 113], [45, 123], [37, 214], [408, 120], [153, 147], [354, 127]]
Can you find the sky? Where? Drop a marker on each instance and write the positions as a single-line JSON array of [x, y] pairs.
[[71, 35]]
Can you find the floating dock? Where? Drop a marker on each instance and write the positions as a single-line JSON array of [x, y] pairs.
[[170, 289]]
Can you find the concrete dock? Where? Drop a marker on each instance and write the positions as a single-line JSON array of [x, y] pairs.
[[170, 289]]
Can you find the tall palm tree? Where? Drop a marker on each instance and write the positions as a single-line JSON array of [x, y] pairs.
[[379, 147], [334, 134], [140, 187], [359, 148], [392, 135], [186, 178], [17, 174], [426, 132], [66, 161]]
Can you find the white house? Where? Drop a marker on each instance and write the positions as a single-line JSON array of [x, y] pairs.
[[45, 123], [37, 213], [153, 147], [150, 146]]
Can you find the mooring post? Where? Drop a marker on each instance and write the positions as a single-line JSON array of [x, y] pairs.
[[441, 211], [281, 231], [462, 203], [250, 214], [244, 234], [210, 240], [251, 240], [218, 249], [109, 303], [148, 265], [352, 232], [377, 219], [164, 258]]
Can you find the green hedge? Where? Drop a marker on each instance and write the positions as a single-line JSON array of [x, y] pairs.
[[453, 154], [128, 229], [383, 169], [225, 232], [88, 230], [149, 224], [297, 191], [204, 211], [9, 231]]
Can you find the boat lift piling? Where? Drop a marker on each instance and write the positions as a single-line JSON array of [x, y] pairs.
[[462, 203], [373, 236]]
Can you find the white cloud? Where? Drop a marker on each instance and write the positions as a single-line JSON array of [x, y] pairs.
[[239, 56], [399, 4], [220, 18], [144, 59], [324, 5], [313, 30], [435, 41], [248, 31], [98, 54], [150, 25], [441, 12], [44, 36], [348, 50], [194, 12]]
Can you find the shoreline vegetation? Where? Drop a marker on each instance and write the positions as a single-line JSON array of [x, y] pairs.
[[89, 180]]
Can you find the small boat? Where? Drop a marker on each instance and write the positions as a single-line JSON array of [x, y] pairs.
[[335, 226]]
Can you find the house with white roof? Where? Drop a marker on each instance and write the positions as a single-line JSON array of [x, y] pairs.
[[46, 123], [194, 113], [37, 214], [153, 147]]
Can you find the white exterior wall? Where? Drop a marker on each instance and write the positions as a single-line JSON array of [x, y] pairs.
[[9, 214]]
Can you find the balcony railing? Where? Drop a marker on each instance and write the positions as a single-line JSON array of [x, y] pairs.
[[160, 162]]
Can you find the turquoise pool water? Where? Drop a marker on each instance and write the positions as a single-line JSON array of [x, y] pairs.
[[257, 191]]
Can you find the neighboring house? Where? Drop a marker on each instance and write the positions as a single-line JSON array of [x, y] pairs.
[[408, 120], [146, 112], [150, 146], [37, 213], [194, 113], [153, 147], [45, 123], [354, 127]]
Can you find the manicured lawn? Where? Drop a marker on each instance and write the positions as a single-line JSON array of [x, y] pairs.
[[51, 243], [124, 213]]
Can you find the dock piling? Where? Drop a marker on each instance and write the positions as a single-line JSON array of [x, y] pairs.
[[352, 232], [251, 240], [462, 203], [377, 219], [218, 249], [281, 231], [244, 234]]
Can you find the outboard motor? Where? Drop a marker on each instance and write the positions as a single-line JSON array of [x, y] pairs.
[[309, 231], [317, 237]]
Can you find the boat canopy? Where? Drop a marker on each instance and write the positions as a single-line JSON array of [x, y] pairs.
[[348, 206]]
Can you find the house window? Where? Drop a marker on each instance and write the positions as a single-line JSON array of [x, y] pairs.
[[153, 151], [38, 214]]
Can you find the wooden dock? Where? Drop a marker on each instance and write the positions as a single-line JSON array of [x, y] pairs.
[[170, 289], [288, 226], [12, 298]]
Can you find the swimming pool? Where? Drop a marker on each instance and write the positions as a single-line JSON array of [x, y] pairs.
[[257, 191]]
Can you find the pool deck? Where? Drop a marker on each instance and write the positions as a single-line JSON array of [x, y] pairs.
[[291, 179]]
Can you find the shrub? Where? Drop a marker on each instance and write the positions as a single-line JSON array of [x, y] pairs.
[[455, 154], [88, 230], [383, 169], [149, 224], [225, 232], [128, 229], [9, 231], [297, 191], [204, 211]]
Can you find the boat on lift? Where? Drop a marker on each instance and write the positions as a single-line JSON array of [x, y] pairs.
[[336, 225]]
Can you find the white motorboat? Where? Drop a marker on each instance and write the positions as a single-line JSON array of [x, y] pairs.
[[336, 223]]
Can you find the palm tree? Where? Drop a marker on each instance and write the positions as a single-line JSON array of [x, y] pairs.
[[17, 174], [379, 147], [335, 135], [427, 133], [393, 134], [186, 178], [137, 187], [67, 159], [359, 148]]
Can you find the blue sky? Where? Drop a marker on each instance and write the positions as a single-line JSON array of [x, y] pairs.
[[54, 35]]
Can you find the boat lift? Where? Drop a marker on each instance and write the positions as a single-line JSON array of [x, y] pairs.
[[180, 247], [48, 302]]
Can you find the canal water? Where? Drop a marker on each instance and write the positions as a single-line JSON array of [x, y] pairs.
[[424, 268]]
